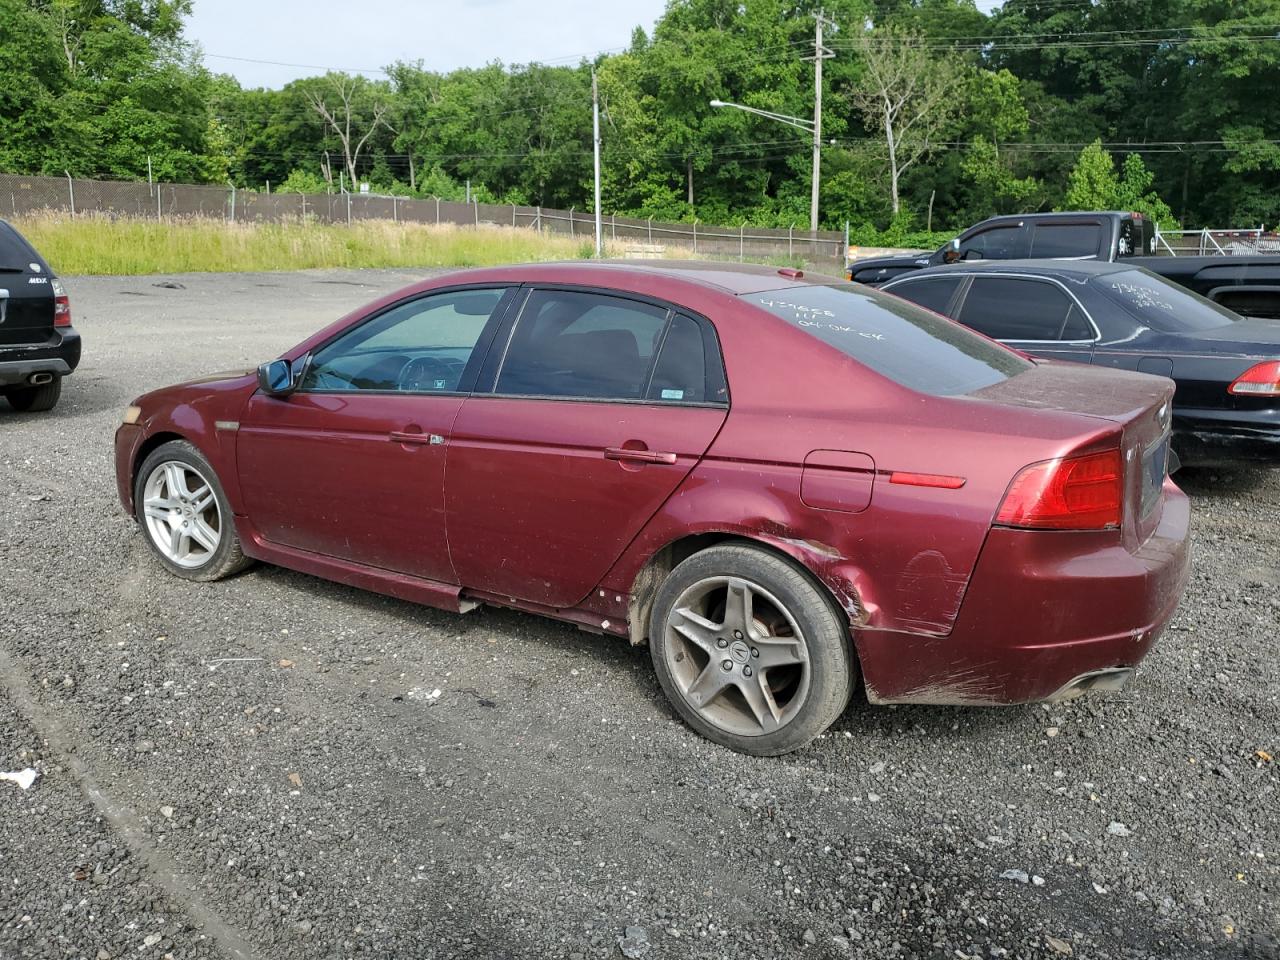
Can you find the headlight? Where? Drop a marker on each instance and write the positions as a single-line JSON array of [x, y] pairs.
[[131, 414]]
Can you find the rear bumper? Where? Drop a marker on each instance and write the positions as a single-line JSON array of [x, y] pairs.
[[59, 357], [1046, 616], [1205, 437]]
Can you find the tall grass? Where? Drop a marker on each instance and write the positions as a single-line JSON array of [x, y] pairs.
[[95, 244]]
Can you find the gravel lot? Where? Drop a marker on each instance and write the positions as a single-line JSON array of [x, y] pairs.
[[255, 768]]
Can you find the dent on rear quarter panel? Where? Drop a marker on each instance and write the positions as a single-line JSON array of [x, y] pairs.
[[879, 577]]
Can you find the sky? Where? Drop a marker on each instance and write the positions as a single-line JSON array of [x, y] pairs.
[[366, 36], [371, 34]]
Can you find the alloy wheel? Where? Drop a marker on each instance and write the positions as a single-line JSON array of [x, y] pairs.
[[737, 656], [182, 514]]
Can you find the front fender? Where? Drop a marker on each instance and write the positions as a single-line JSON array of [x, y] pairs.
[[206, 415]]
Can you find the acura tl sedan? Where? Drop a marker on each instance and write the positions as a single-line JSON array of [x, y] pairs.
[[787, 486]]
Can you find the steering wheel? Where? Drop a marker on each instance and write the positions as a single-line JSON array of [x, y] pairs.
[[425, 374]]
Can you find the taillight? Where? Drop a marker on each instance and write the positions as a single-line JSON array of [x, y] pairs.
[[61, 305], [1074, 493], [1262, 380]]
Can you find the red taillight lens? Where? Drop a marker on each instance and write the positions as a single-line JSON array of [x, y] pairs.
[[1262, 380], [1075, 493], [61, 305]]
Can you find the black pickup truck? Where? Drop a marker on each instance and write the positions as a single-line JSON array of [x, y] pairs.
[[1249, 285]]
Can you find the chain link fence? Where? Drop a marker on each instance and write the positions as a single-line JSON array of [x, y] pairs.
[[22, 195], [1216, 243]]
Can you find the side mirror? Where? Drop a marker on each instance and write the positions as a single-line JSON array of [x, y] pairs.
[[279, 378]]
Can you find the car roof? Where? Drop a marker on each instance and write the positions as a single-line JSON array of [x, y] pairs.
[[1063, 215], [728, 277], [1030, 268]]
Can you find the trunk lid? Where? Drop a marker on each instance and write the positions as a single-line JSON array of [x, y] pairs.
[[1249, 336], [1139, 404], [26, 309]]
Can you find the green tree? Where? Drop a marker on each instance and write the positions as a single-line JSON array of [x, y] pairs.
[[1095, 185], [303, 181], [907, 94]]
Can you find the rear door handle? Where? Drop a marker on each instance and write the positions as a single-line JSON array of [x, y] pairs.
[[638, 456], [400, 436]]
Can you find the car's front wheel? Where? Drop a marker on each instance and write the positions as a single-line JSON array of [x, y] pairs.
[[185, 514], [35, 399], [750, 650]]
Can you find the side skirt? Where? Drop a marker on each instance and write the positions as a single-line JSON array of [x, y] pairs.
[[432, 593], [611, 620]]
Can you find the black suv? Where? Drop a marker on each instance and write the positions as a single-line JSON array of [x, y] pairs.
[[38, 346]]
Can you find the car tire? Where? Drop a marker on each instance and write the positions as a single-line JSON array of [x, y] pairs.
[[185, 516], [35, 399], [750, 650]]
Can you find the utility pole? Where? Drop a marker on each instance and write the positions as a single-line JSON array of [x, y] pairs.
[[595, 140], [820, 53]]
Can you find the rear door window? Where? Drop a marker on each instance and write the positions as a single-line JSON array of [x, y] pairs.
[[911, 346], [932, 293], [1066, 240], [584, 345], [689, 369], [1016, 308]]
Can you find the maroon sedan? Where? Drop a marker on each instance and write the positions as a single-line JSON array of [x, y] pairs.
[[781, 484]]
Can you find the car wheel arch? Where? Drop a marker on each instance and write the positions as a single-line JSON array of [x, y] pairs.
[[145, 448], [843, 596]]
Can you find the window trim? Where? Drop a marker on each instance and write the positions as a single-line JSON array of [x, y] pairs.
[[482, 345], [1097, 334], [491, 371]]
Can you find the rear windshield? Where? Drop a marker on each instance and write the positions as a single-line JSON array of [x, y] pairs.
[[15, 253], [895, 338], [1161, 305]]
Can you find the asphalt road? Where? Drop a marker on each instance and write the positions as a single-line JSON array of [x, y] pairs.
[[258, 768]]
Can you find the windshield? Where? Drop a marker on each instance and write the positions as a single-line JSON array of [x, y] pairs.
[[1162, 305], [895, 338]]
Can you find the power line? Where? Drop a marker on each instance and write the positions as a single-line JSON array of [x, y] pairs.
[[748, 149], [303, 66], [996, 44]]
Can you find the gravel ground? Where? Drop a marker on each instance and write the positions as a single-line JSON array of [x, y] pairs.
[[256, 769]]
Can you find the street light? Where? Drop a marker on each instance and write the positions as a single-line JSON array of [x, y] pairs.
[[809, 126]]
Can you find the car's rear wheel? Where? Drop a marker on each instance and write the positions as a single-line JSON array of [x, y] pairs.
[[750, 650], [185, 514], [35, 399]]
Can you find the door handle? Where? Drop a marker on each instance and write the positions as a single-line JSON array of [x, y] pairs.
[[400, 436], [638, 456]]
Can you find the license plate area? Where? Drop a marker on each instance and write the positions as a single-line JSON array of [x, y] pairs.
[[1155, 467]]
